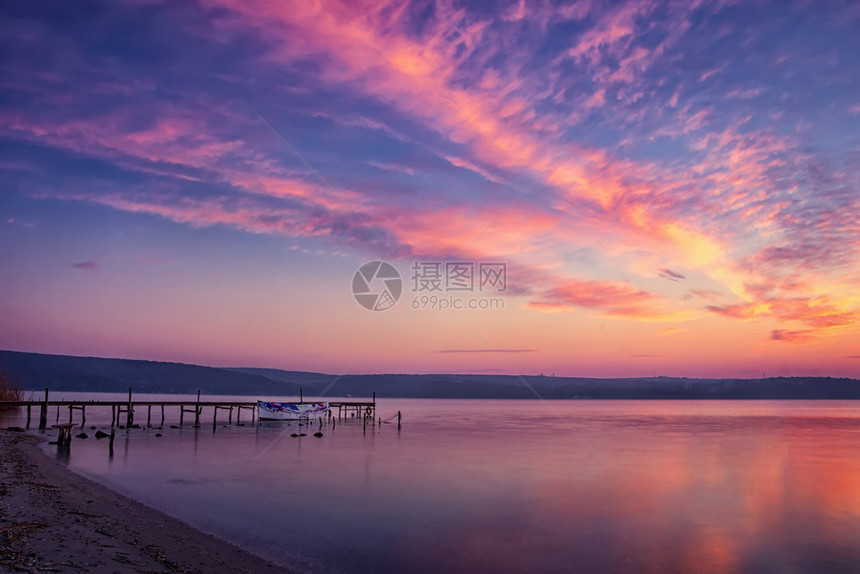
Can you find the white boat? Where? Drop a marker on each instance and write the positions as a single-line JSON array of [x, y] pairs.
[[291, 411]]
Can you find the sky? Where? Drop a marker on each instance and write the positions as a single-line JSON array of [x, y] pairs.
[[604, 189]]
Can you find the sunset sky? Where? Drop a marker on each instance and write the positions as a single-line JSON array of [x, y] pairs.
[[674, 187]]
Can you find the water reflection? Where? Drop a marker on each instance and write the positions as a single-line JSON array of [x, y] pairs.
[[507, 486]]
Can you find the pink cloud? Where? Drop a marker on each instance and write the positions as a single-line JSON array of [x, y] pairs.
[[801, 336], [697, 216], [616, 298]]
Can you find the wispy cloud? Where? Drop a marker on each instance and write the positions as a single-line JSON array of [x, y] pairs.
[[491, 351], [801, 336], [640, 137], [86, 265], [671, 275]]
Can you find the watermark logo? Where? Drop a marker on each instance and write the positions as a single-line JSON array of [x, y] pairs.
[[436, 285], [452, 276], [377, 285]]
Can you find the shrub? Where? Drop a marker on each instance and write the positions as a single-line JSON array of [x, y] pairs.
[[8, 391]]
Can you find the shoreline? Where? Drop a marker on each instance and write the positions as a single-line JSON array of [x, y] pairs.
[[52, 519]]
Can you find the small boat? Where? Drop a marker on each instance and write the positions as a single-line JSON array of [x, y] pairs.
[[291, 411]]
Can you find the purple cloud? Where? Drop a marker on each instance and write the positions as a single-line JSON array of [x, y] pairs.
[[671, 275], [87, 265], [487, 351]]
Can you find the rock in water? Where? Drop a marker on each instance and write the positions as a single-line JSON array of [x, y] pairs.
[[100, 434], [318, 434], [82, 435]]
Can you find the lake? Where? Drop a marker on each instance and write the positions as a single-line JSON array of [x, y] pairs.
[[512, 486]]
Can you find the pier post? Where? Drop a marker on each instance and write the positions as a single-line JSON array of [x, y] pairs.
[[83, 416], [58, 414], [197, 411], [398, 420], [43, 413], [112, 416], [162, 415], [110, 444], [181, 414], [301, 395], [70, 413], [28, 416], [129, 411], [148, 415]]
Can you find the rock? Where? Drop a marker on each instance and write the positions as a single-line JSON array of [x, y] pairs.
[[158, 434], [134, 426], [174, 427], [92, 428], [318, 434], [302, 434], [82, 435], [294, 435], [15, 429], [101, 434]]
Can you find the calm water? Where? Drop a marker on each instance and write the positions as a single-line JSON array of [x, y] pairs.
[[510, 486]]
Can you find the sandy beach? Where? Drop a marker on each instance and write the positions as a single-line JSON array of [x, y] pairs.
[[52, 520]]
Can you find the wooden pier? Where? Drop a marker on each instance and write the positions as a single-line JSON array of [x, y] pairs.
[[362, 410]]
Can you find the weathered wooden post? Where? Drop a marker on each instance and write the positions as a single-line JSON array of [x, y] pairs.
[[148, 415], [301, 395], [398, 420], [112, 416], [83, 416], [58, 414], [129, 411], [28, 416], [197, 411], [181, 414], [162, 415], [110, 444], [43, 413]]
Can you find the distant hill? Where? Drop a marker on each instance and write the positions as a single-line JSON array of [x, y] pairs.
[[532, 387], [287, 376], [35, 371]]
